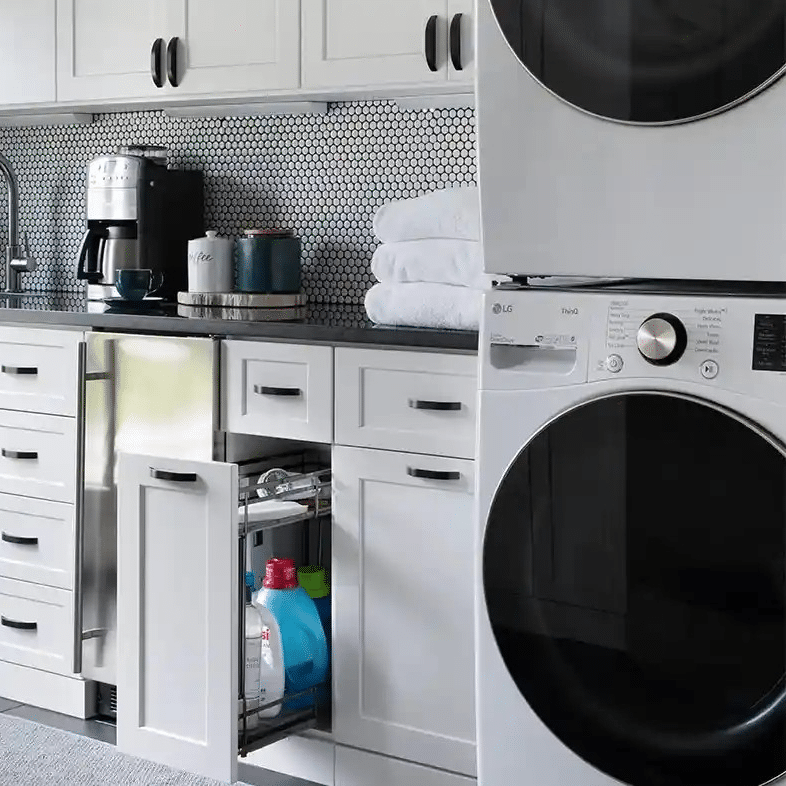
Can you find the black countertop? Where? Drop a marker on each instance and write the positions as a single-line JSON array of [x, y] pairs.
[[322, 324]]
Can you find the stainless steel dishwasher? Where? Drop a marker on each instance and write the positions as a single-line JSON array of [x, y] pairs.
[[143, 394]]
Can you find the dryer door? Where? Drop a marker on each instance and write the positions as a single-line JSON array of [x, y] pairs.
[[648, 61], [633, 570]]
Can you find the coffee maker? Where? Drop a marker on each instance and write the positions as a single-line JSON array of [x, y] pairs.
[[139, 215]]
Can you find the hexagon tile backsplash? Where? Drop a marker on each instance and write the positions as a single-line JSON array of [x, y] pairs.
[[321, 175]]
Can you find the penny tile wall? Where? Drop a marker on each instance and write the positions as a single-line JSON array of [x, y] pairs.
[[322, 175]]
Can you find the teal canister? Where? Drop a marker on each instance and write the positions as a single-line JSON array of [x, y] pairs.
[[268, 260]]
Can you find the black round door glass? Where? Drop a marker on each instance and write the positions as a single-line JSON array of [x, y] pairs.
[[633, 570], [648, 61]]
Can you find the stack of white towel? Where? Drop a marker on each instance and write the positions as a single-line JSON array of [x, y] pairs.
[[430, 264]]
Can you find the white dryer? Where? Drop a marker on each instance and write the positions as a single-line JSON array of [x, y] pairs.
[[588, 164], [631, 539]]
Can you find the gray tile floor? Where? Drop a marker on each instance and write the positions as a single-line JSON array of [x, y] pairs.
[[105, 732]]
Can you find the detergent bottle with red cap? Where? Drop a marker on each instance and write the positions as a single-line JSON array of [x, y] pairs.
[[302, 636]]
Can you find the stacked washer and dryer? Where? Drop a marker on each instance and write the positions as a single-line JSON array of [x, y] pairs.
[[631, 539]]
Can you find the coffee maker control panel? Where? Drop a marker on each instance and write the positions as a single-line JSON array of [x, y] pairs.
[[114, 172]]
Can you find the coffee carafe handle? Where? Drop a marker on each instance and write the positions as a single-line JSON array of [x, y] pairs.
[[87, 267]]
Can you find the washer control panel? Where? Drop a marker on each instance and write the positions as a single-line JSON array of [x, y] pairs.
[[769, 342], [686, 334], [551, 338]]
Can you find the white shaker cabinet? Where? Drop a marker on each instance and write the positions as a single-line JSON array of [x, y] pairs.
[[238, 45], [27, 43], [168, 48], [351, 43], [403, 649], [177, 613], [104, 47]]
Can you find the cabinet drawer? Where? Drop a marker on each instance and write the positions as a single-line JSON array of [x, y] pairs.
[[420, 402], [37, 541], [37, 455], [278, 390], [36, 625], [359, 768], [38, 370]]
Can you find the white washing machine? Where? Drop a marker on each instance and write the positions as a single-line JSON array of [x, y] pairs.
[[631, 539], [634, 138]]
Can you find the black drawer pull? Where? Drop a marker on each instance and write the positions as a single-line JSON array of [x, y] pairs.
[[177, 477], [264, 390], [442, 406], [18, 625], [19, 369], [455, 42], [19, 454], [432, 474], [155, 62], [19, 540], [431, 43], [171, 61]]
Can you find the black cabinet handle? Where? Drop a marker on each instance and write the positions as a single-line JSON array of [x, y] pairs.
[[431, 43], [455, 42], [19, 540], [177, 477], [19, 369], [171, 61], [443, 406], [19, 625], [155, 62], [19, 454], [432, 474], [264, 390]]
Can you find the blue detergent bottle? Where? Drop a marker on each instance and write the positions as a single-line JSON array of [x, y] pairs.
[[312, 579], [302, 636]]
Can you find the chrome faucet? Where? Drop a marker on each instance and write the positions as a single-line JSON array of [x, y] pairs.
[[17, 257]]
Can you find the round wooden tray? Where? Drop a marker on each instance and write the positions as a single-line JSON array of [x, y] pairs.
[[241, 299], [248, 314]]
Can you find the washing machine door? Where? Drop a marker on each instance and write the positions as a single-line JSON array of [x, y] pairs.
[[633, 573], [648, 61]]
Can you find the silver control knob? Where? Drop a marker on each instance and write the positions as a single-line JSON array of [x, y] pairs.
[[662, 339]]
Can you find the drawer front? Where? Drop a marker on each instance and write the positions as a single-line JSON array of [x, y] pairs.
[[36, 625], [37, 541], [38, 455], [359, 768], [420, 402], [38, 370], [278, 390]]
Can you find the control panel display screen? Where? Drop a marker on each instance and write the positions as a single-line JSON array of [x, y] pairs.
[[769, 342]]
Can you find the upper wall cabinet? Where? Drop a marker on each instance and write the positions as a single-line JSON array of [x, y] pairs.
[[172, 47], [347, 43], [239, 45], [27, 44], [105, 48]]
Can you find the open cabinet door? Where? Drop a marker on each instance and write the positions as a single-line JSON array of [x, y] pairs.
[[178, 613]]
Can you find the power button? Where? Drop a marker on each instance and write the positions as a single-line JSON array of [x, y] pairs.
[[709, 369], [614, 364]]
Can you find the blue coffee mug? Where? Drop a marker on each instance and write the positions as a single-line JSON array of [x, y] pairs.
[[135, 283]]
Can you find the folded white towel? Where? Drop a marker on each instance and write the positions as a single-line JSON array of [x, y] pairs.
[[424, 304], [447, 213], [458, 262]]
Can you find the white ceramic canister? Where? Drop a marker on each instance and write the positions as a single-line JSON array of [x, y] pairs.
[[211, 264]]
